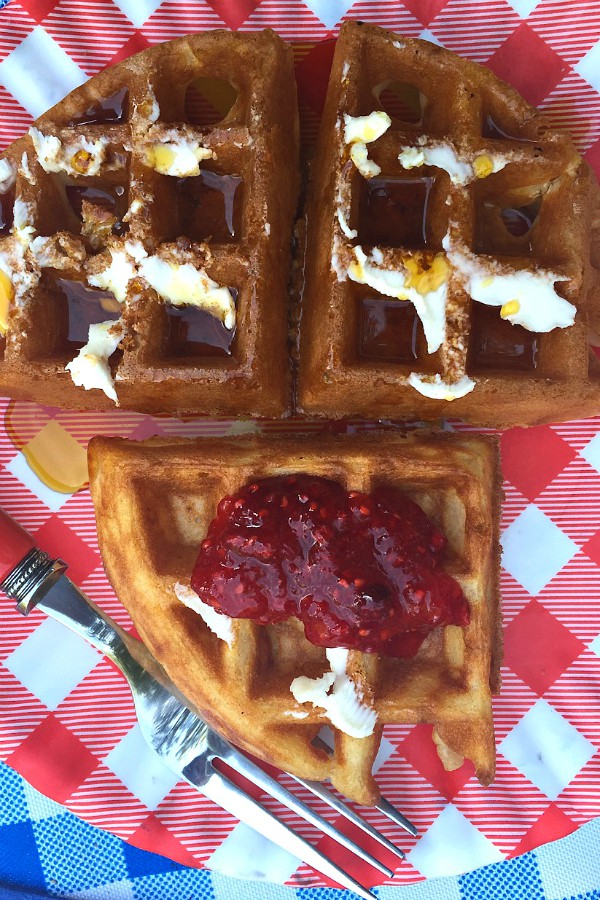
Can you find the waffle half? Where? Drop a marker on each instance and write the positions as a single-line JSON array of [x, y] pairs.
[[154, 501], [359, 346], [93, 193]]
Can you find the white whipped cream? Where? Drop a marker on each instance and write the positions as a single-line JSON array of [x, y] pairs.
[[154, 107], [7, 175], [179, 158], [54, 157], [183, 285], [219, 624], [430, 307], [90, 368], [443, 155], [26, 170], [338, 695], [525, 298], [349, 232], [437, 389], [22, 228], [116, 276], [360, 131]]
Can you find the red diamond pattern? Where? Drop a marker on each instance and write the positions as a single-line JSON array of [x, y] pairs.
[[57, 539], [135, 44], [533, 457], [419, 749], [37, 9], [234, 12], [155, 837], [551, 826], [53, 760], [538, 647], [425, 10], [592, 548], [528, 63]]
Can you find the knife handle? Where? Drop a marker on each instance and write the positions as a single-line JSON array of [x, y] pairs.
[[15, 544], [26, 572]]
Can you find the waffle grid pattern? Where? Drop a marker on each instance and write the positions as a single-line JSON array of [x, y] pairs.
[[447, 684], [542, 187], [161, 215]]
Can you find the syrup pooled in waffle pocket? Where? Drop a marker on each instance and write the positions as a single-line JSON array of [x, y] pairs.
[[144, 259], [449, 262], [319, 632]]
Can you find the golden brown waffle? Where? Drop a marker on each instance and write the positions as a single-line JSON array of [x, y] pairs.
[[154, 501], [232, 221], [358, 348]]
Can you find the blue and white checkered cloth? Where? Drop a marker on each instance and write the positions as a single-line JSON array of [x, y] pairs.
[[46, 851]]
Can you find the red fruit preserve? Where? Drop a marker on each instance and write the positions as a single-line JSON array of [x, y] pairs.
[[361, 571]]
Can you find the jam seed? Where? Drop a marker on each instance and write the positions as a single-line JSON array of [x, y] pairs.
[[364, 510], [359, 582], [239, 589], [284, 502]]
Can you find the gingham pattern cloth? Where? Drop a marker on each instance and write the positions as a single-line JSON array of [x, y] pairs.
[[46, 851], [66, 717]]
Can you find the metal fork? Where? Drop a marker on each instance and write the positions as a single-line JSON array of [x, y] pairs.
[[184, 742]]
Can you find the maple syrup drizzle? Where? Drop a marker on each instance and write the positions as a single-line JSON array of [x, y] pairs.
[[389, 330], [109, 196], [393, 211], [210, 206], [193, 332], [83, 306], [498, 344], [504, 230], [491, 129], [106, 112]]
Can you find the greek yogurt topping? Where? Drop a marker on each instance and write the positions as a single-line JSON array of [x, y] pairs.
[[90, 368], [425, 285], [436, 389], [116, 276], [7, 175], [461, 168], [360, 131], [525, 297], [179, 158], [219, 623], [337, 694], [184, 285], [77, 157]]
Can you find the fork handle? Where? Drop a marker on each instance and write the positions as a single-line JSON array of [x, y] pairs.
[[28, 574]]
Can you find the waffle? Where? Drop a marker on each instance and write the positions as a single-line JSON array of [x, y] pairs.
[[473, 182], [115, 208], [154, 501]]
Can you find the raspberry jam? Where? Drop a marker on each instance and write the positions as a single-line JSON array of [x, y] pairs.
[[361, 571]]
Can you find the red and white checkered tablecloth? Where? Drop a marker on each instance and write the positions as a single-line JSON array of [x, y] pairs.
[[66, 718]]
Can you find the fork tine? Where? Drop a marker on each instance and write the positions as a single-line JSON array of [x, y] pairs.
[[319, 790], [246, 767], [385, 807], [234, 799]]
